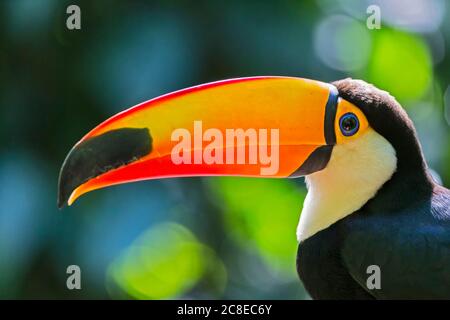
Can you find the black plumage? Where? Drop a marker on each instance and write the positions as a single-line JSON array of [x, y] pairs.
[[404, 229]]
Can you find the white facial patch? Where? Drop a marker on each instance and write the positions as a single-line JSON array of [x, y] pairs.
[[356, 171]]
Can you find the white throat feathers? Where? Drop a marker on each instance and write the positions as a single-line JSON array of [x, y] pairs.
[[356, 171]]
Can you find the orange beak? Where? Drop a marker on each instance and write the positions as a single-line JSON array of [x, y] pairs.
[[259, 127]]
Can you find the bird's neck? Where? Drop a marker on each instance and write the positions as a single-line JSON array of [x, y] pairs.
[[354, 174], [368, 172]]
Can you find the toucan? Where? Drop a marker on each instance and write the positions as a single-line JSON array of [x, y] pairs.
[[372, 203]]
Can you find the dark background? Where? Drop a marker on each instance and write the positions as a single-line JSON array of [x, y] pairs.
[[192, 237]]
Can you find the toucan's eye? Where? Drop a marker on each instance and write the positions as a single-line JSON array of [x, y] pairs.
[[349, 124]]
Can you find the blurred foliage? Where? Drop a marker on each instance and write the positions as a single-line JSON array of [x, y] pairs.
[[401, 64], [263, 215], [227, 237]]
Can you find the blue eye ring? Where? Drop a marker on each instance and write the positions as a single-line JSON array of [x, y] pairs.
[[349, 124]]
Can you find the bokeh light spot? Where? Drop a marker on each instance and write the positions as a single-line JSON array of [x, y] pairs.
[[165, 262], [342, 43], [412, 15]]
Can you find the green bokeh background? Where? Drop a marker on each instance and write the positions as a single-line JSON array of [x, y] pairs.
[[194, 237]]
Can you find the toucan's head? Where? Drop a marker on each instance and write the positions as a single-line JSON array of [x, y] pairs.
[[385, 157], [342, 136]]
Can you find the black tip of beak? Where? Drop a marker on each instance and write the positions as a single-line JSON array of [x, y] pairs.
[[100, 154]]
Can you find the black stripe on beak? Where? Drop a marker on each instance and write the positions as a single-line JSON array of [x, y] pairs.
[[100, 154], [330, 116]]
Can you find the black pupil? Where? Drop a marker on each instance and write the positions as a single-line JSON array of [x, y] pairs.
[[349, 123]]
